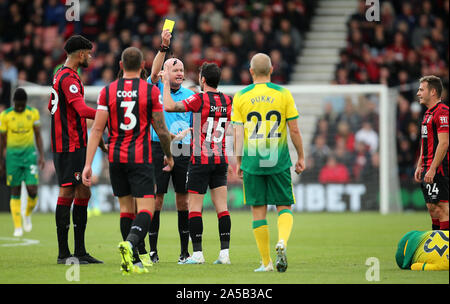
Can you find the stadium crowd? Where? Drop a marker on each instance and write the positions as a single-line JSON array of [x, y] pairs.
[[411, 41], [227, 32]]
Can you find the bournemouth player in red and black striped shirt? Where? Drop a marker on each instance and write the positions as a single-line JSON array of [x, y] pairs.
[[68, 140], [209, 163], [129, 106], [433, 164]]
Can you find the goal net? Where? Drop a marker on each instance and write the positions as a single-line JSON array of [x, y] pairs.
[[349, 142]]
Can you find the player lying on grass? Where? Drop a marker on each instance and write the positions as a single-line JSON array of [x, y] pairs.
[[423, 250]]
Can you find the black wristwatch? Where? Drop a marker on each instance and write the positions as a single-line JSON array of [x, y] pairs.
[[163, 49]]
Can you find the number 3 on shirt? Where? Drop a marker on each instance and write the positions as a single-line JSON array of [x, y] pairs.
[[128, 105]]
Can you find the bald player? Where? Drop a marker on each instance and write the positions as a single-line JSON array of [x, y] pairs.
[[176, 122], [262, 113]]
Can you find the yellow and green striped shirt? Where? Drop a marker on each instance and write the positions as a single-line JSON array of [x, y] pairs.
[[264, 109]]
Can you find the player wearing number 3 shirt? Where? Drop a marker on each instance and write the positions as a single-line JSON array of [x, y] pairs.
[[433, 164], [209, 163], [129, 106]]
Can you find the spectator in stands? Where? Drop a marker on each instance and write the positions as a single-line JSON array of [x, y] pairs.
[[350, 116], [9, 70], [345, 134], [361, 157], [229, 25], [406, 160], [403, 115], [286, 28], [107, 77], [368, 136], [334, 172], [324, 130], [371, 172], [330, 116], [5, 93], [320, 151], [412, 65], [420, 31], [280, 67], [379, 40]]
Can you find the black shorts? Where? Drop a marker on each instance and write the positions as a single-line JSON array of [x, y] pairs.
[[437, 191], [69, 167], [134, 179], [178, 172], [201, 176]]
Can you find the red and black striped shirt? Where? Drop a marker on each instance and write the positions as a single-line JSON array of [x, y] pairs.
[[210, 120], [130, 103], [435, 121], [68, 128]]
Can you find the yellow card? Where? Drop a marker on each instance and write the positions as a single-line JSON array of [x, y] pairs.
[[168, 25]]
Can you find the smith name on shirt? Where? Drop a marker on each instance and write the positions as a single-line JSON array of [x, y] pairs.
[[218, 109]]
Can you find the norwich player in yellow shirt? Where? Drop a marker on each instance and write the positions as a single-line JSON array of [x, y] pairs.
[[19, 127], [423, 250], [261, 114]]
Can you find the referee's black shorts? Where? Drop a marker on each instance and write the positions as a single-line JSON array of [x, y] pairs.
[[178, 172], [132, 179]]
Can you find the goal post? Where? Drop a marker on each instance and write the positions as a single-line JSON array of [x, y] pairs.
[[389, 186], [383, 194]]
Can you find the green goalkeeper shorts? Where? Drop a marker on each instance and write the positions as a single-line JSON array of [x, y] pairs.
[[20, 169], [275, 189]]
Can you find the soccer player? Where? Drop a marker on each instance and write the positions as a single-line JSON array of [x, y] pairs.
[[19, 128], [433, 163], [176, 122], [423, 250], [68, 141], [209, 162], [261, 112], [129, 105]]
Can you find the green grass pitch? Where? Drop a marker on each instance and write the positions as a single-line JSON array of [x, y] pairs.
[[326, 248]]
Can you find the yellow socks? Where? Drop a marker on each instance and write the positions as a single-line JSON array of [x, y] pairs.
[[30, 205], [261, 232], [285, 223], [15, 206], [262, 236]]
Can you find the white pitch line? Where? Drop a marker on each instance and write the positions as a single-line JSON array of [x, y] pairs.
[[23, 242]]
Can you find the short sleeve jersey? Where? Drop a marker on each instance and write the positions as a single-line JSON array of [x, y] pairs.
[[263, 109], [175, 121], [68, 128], [19, 129], [211, 113], [130, 104], [435, 121]]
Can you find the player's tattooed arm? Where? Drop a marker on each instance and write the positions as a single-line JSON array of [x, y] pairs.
[[169, 104], [176, 107], [159, 124]]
